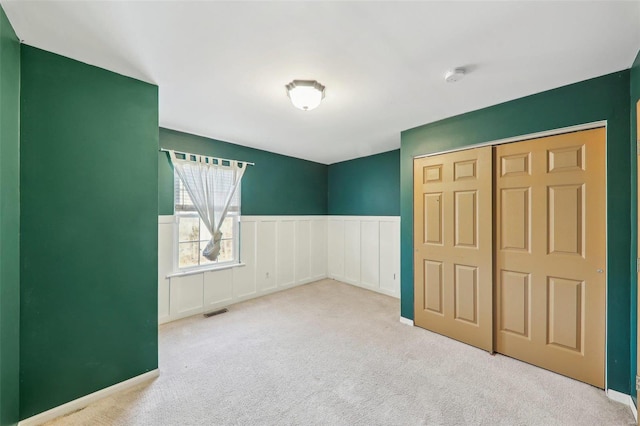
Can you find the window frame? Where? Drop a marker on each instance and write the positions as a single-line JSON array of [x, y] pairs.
[[235, 214]]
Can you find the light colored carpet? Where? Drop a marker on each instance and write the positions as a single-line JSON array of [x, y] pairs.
[[331, 354]]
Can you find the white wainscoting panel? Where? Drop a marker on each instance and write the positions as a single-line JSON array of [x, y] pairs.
[[370, 251], [266, 261], [365, 251], [352, 254], [186, 296], [390, 257], [336, 248], [276, 252], [286, 253], [303, 250], [218, 288], [244, 278], [318, 249]]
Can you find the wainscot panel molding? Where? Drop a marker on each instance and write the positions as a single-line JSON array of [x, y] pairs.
[[365, 251], [276, 253], [280, 252]]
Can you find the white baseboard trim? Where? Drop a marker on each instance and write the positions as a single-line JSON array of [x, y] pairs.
[[625, 399], [406, 321], [238, 299], [364, 286], [82, 402]]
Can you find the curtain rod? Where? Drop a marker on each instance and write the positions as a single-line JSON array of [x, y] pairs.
[[200, 155]]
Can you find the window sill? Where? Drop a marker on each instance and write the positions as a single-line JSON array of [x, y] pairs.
[[203, 270]]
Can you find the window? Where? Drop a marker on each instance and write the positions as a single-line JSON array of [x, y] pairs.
[[193, 236]]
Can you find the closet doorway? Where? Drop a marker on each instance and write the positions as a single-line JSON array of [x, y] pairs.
[[510, 246]]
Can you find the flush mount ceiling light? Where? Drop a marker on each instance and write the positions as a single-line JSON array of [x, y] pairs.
[[305, 94]]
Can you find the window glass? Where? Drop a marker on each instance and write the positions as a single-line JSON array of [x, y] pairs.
[[193, 235]]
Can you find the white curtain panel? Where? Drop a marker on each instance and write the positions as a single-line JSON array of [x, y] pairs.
[[211, 186]]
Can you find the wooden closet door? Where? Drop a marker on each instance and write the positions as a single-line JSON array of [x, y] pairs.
[[550, 208], [453, 245]]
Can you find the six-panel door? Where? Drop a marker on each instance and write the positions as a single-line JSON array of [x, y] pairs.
[[543, 267], [551, 253], [453, 250]]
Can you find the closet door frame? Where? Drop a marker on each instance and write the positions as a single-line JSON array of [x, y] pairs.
[[520, 138]]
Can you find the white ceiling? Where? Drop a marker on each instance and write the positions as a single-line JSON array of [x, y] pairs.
[[222, 66]]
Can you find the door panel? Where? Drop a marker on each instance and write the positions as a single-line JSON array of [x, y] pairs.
[[515, 229], [453, 245], [433, 286], [550, 260], [565, 313], [515, 292], [466, 293], [433, 218], [465, 227]]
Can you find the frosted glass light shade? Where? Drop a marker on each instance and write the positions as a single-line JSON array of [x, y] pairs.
[[305, 94]]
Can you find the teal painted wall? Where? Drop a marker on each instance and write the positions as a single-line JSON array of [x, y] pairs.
[[368, 186], [602, 98], [9, 222], [276, 185], [634, 89], [89, 245]]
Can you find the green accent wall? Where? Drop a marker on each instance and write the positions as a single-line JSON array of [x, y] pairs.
[[602, 98], [89, 245], [634, 89], [9, 222], [276, 185], [367, 186]]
